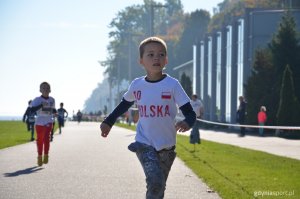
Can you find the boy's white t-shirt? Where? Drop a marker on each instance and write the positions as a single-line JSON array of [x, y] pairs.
[[45, 114], [156, 102]]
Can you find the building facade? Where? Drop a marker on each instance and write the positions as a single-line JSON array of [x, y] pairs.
[[225, 58]]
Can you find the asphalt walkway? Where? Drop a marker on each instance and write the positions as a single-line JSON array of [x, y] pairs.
[[84, 165]]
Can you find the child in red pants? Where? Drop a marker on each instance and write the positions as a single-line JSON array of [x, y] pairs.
[[45, 109]]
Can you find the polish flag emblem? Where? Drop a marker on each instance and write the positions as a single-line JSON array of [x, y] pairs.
[[166, 95]]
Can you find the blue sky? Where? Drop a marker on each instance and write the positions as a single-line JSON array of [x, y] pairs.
[[58, 41]]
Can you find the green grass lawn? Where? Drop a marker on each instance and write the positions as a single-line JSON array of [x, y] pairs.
[[235, 172], [13, 133], [123, 125]]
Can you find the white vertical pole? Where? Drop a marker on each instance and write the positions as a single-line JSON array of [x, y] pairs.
[[194, 68]]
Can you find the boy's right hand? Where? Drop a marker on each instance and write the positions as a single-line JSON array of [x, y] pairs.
[[105, 129]]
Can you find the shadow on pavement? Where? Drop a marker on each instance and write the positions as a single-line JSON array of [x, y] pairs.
[[23, 172]]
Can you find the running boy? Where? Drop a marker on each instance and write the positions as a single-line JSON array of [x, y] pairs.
[[45, 108], [156, 96], [61, 115]]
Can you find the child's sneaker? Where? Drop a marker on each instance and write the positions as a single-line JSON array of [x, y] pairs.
[[46, 159], [39, 160]]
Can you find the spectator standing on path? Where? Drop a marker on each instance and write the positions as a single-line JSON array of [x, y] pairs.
[[105, 110], [156, 96], [262, 118], [61, 115], [29, 118], [241, 115], [79, 116], [199, 110], [44, 106]]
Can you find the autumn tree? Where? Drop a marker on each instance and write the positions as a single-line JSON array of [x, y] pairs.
[[260, 86], [195, 27], [265, 84], [285, 48], [186, 84]]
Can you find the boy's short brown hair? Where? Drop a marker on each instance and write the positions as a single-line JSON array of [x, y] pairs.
[[45, 83], [150, 40]]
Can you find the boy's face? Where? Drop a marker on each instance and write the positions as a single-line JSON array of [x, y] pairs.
[[45, 90], [154, 58]]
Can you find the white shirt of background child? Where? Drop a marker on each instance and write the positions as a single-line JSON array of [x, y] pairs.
[[45, 114], [197, 104]]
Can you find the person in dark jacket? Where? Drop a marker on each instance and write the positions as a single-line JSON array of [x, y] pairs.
[[61, 115], [29, 118], [241, 115]]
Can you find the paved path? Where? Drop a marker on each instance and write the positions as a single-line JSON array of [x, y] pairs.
[[84, 165], [274, 145]]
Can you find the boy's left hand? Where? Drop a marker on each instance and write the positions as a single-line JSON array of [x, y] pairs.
[[105, 129], [182, 126]]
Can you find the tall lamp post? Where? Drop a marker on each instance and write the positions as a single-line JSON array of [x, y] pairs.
[[130, 35], [152, 6], [111, 81]]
